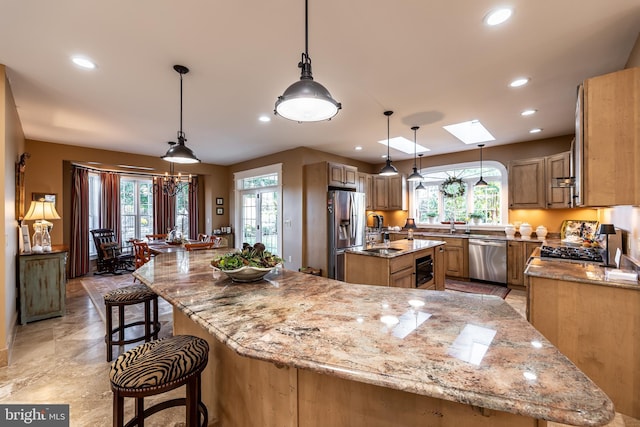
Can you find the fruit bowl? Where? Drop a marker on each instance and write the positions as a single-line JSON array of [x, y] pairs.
[[247, 274]]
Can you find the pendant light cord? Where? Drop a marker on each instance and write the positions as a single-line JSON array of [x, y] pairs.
[[180, 132], [388, 115], [306, 28]]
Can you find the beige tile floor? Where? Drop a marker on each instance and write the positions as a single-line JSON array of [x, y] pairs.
[[62, 360]]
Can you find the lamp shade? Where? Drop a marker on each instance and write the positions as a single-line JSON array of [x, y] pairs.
[[180, 153], [40, 210], [606, 229], [411, 223], [307, 101]]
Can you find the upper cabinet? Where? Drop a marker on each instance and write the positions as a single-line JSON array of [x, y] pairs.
[[609, 139], [531, 182], [389, 193], [343, 176], [365, 185]]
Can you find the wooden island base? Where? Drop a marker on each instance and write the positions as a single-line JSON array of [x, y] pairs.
[[243, 392]]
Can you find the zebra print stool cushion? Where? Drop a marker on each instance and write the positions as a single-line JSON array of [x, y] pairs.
[[159, 363], [130, 293]]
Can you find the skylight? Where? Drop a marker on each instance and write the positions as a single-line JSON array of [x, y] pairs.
[[401, 143], [471, 132]]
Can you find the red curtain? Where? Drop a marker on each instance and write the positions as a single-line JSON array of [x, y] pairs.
[[110, 202], [79, 249], [193, 208], [164, 209]]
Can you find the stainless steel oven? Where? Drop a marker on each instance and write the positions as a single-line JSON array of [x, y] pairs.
[[424, 270]]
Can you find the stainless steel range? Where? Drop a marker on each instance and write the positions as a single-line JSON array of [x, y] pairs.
[[572, 253]]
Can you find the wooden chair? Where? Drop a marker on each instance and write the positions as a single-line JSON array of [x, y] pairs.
[[152, 237], [112, 257], [142, 254], [204, 237], [199, 246], [221, 242]]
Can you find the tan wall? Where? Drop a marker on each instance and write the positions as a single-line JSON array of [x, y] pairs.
[[12, 144], [49, 171]]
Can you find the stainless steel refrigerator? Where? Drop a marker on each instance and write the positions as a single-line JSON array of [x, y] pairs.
[[347, 220]]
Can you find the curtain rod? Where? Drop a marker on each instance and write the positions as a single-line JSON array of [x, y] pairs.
[[90, 168]]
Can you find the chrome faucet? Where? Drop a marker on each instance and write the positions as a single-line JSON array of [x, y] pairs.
[[452, 229]]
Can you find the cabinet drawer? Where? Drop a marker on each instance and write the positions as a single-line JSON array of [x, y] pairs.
[[400, 263], [452, 241]]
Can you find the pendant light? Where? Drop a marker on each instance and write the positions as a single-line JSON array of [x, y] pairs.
[[415, 176], [180, 153], [306, 100], [388, 169], [420, 186], [481, 182]]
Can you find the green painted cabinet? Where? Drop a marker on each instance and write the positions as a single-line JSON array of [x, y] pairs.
[[42, 285]]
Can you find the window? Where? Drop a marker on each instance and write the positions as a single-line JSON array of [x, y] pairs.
[[182, 210], [94, 209], [488, 204], [136, 207], [259, 207]]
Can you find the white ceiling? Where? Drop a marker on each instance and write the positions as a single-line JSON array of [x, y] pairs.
[[433, 62]]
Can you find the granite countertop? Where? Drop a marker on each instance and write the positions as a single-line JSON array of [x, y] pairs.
[[396, 248], [472, 349], [583, 272]]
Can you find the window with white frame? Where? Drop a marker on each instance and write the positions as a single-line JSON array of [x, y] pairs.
[[94, 209], [449, 193], [136, 207]]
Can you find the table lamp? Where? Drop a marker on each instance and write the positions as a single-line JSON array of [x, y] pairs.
[[41, 211], [606, 229], [410, 225]]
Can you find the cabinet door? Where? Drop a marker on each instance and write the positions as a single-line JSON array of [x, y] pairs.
[[397, 192], [454, 261], [515, 263], [380, 193], [336, 177], [349, 176], [438, 268], [527, 184], [42, 286], [403, 279], [557, 166], [611, 155], [365, 185]]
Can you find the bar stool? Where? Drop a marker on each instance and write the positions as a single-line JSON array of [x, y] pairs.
[[157, 367], [130, 295]]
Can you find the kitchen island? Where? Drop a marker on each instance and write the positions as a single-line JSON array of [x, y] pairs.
[[302, 350]]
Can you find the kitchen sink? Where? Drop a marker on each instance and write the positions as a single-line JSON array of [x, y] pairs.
[[382, 251]]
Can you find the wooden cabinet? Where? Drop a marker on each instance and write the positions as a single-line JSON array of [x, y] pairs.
[[365, 185], [531, 182], [343, 176], [42, 285], [456, 257], [597, 327], [389, 192], [398, 271], [518, 253], [611, 140]]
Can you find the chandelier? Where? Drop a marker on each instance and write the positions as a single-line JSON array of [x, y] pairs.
[[171, 184]]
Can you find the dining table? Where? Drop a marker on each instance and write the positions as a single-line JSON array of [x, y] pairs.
[[161, 247]]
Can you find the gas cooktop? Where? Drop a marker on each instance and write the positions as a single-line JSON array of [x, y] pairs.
[[572, 253]]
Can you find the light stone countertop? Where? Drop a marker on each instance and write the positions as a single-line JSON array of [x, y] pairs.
[[472, 349]]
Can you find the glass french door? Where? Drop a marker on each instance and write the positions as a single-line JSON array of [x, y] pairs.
[[260, 218]]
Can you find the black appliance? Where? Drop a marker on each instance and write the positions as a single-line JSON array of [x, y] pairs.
[[424, 270], [572, 253]]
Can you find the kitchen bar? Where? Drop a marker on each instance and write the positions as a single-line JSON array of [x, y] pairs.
[[302, 350]]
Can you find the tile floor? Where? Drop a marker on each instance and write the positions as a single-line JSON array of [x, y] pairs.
[[62, 360]]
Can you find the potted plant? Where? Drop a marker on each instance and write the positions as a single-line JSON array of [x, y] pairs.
[[431, 216], [476, 217]]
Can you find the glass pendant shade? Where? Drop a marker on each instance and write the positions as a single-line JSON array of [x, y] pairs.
[[179, 152], [306, 100], [388, 169], [481, 182]]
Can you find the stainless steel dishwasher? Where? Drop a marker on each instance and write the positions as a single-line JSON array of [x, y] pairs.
[[488, 260]]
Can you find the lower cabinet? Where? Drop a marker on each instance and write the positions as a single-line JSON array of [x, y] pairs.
[[518, 252], [42, 285], [456, 257]]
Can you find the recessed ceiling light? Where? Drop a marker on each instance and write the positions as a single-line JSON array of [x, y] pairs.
[[535, 130], [497, 16], [358, 148], [521, 81], [528, 112], [384, 156], [401, 143], [83, 62], [471, 132], [264, 119]]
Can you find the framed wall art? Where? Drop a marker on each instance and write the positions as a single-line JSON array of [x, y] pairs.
[[219, 201], [219, 211]]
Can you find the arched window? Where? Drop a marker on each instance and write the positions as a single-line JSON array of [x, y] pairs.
[[461, 200]]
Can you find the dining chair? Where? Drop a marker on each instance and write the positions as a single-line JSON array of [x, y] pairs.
[[204, 237], [199, 246], [151, 237], [142, 254]]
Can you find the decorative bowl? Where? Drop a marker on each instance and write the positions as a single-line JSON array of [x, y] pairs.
[[247, 274]]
